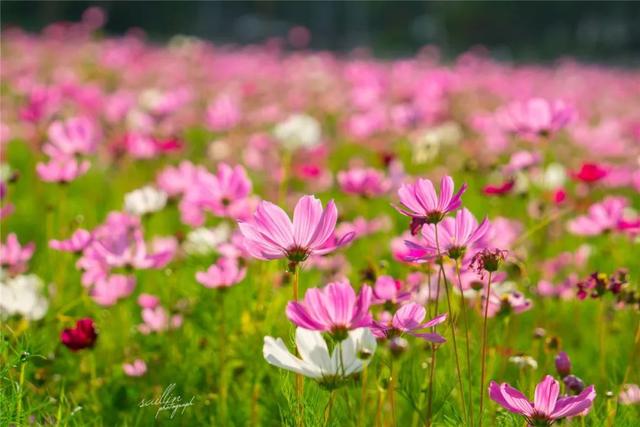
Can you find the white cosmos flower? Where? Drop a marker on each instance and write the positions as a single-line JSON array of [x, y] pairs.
[[204, 241], [21, 295], [348, 357], [298, 131], [145, 200]]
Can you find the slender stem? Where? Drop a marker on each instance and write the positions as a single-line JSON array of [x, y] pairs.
[[601, 339], [433, 360], [299, 378], [286, 165], [378, 407], [392, 400], [484, 349], [452, 325], [20, 392], [632, 358], [363, 398], [465, 320], [329, 407], [221, 353]]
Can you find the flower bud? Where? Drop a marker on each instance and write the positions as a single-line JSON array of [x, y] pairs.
[[397, 346], [563, 364], [573, 383]]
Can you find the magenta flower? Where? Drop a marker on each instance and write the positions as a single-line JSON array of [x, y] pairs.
[[224, 273], [535, 117], [14, 256], [546, 407], [224, 194], [454, 235], [83, 335], [424, 206], [148, 301], [335, 309], [590, 173], [272, 235], [500, 189], [364, 182], [409, 319], [62, 169], [79, 240]]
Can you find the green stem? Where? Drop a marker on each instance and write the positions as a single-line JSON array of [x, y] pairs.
[[465, 320], [20, 392], [221, 353], [452, 325], [484, 349], [433, 360]]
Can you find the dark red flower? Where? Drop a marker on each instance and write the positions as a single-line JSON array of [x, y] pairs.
[[590, 173], [84, 335], [499, 190]]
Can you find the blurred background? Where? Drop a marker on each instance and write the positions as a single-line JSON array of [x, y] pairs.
[[510, 30]]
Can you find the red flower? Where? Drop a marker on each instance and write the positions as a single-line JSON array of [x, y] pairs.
[[499, 190], [84, 335], [590, 173]]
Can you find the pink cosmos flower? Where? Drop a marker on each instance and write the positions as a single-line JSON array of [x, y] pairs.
[[422, 204], [535, 117], [14, 256], [77, 135], [547, 407], [79, 240], [505, 302], [272, 235], [62, 169], [108, 291], [590, 173], [137, 368], [224, 194], [521, 160], [629, 395], [148, 301], [224, 113], [601, 217], [364, 182], [409, 319], [224, 273], [454, 235], [334, 308], [387, 289], [157, 319]]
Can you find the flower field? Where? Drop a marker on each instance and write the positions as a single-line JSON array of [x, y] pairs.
[[196, 234]]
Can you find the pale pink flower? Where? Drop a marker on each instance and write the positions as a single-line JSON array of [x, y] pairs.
[[108, 291], [601, 217], [79, 240], [547, 406], [224, 113], [334, 308], [148, 301], [629, 395], [535, 117], [15, 256], [522, 160], [62, 169], [424, 206], [224, 273], [454, 236], [77, 135], [157, 319], [387, 289], [272, 235], [409, 319], [137, 368], [366, 182]]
